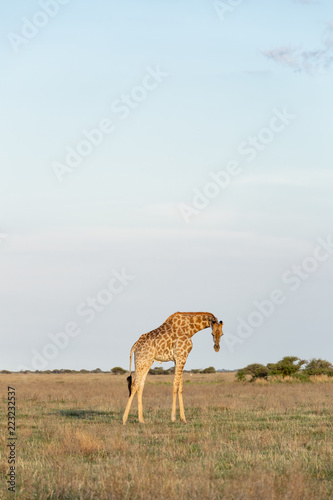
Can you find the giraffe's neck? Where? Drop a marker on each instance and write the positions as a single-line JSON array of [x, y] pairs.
[[202, 321], [193, 322]]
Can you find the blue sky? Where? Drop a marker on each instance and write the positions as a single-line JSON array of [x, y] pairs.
[[120, 208]]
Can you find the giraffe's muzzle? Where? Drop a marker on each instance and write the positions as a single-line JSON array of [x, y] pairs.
[[216, 348]]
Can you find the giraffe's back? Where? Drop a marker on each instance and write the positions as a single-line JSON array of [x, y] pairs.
[[167, 342]]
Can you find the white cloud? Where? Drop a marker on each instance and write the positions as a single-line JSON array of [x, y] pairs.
[[307, 61], [283, 55]]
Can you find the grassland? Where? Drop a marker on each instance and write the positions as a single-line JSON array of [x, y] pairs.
[[242, 441]]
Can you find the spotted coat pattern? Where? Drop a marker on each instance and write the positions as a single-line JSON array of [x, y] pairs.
[[169, 342]]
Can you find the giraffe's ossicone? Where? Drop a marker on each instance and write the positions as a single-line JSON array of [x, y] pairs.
[[169, 342]]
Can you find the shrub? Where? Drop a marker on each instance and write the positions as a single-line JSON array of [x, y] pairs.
[[158, 370], [256, 370], [319, 367], [302, 376], [241, 375], [169, 371], [287, 366], [210, 369], [117, 370], [272, 369]]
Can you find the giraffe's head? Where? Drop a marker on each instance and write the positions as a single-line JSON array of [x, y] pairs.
[[217, 334]]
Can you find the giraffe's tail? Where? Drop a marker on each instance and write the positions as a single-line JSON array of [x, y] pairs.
[[129, 378], [129, 383]]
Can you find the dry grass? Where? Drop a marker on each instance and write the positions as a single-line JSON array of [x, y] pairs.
[[243, 441]]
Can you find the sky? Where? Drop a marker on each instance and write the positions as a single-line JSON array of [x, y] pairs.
[[160, 157]]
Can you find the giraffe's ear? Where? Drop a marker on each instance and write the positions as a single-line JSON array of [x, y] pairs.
[[213, 321]]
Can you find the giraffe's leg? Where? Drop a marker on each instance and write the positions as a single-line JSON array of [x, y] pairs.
[[140, 412], [129, 402], [141, 383], [174, 403], [181, 405], [176, 383]]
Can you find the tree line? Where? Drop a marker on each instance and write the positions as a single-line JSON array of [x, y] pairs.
[[289, 366], [116, 370]]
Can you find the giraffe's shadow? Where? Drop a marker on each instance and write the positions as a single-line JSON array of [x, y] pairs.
[[82, 414]]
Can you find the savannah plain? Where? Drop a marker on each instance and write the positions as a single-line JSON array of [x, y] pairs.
[[261, 440]]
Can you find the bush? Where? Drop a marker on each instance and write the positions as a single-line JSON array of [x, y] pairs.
[[241, 375], [319, 367], [287, 366], [256, 370], [210, 369], [117, 370], [272, 369], [158, 370], [302, 376], [169, 371]]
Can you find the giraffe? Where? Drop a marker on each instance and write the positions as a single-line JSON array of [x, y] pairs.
[[169, 342]]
